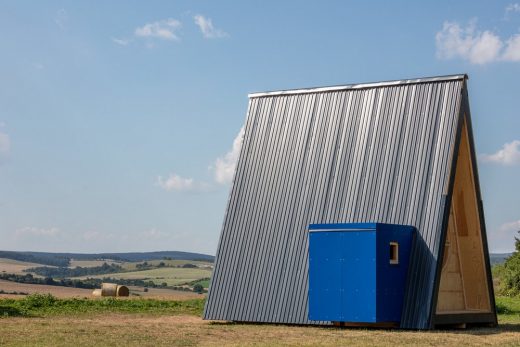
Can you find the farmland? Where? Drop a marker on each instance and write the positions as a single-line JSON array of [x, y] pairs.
[[15, 266], [170, 276], [22, 277], [68, 292], [165, 317], [91, 263]]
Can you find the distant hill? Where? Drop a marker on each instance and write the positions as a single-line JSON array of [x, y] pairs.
[[38, 258], [498, 258], [63, 259]]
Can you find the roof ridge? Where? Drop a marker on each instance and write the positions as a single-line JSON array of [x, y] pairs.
[[360, 85]]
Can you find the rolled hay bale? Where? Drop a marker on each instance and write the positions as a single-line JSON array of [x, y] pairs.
[[122, 291], [97, 292], [108, 289]]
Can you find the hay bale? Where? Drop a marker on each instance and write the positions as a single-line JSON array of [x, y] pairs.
[[108, 289], [112, 289], [122, 291], [97, 292]]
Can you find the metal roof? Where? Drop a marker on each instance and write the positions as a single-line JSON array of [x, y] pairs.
[[357, 153], [360, 86]]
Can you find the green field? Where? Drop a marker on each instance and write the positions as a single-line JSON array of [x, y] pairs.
[[164, 273], [92, 263], [168, 263], [170, 275], [46, 321], [37, 305], [508, 309]]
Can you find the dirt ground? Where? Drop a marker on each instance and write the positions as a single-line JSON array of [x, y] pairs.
[[142, 330], [67, 292]]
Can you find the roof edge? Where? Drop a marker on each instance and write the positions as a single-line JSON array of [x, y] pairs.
[[359, 86]]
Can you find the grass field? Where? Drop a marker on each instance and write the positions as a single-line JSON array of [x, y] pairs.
[[91, 263], [170, 275], [68, 292], [14, 266], [173, 274], [174, 262], [138, 322]]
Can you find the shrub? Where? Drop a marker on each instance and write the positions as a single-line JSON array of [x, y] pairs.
[[39, 300], [510, 272]]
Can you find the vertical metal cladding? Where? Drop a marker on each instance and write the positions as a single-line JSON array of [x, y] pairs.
[[362, 153]]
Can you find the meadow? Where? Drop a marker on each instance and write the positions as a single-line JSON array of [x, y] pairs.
[[170, 276], [165, 317], [43, 320], [163, 273]]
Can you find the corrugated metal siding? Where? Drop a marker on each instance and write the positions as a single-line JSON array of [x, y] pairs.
[[380, 154]]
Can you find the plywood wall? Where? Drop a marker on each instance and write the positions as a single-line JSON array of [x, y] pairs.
[[463, 286]]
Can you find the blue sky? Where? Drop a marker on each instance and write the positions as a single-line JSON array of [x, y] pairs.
[[118, 118]]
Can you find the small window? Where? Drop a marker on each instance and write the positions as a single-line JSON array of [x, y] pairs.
[[394, 253]]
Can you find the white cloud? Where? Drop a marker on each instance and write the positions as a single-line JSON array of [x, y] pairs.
[[513, 8], [511, 226], [502, 239], [121, 42], [61, 18], [225, 166], [180, 184], [37, 232], [223, 170], [164, 29], [508, 155], [5, 142], [206, 27], [512, 51], [478, 47], [467, 43]]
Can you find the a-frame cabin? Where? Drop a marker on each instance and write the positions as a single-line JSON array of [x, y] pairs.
[[398, 152]]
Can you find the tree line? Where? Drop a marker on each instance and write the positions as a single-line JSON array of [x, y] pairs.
[[63, 272]]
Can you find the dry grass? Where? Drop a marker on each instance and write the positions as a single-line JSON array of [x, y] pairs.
[[166, 294], [14, 266], [68, 292], [146, 330], [57, 291], [158, 323]]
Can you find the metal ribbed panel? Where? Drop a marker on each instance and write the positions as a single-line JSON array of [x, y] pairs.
[[381, 153]]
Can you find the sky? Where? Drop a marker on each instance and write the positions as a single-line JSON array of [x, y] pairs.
[[120, 121]]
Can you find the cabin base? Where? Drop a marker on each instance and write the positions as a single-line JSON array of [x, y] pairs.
[[385, 325], [464, 320]]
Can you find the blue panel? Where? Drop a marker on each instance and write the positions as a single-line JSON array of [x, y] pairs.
[[359, 272], [391, 278], [350, 275], [324, 274], [342, 276]]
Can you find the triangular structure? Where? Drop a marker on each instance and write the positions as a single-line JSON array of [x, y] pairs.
[[464, 288], [398, 152]]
